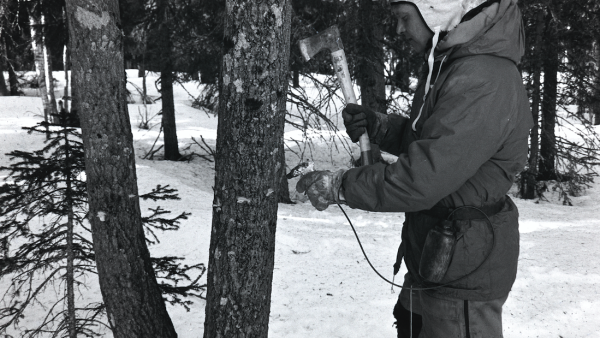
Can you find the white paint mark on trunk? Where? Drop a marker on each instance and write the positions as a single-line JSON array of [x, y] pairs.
[[90, 19], [277, 12], [238, 86], [223, 301], [101, 215], [241, 199]]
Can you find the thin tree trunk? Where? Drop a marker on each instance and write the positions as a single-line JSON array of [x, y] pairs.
[[596, 98], [296, 78], [166, 85], [13, 81], [49, 80], [3, 88], [134, 304], [370, 74], [66, 67], [141, 69], [284, 188], [547, 166], [252, 103], [37, 46], [168, 116], [529, 187], [3, 55], [70, 274]]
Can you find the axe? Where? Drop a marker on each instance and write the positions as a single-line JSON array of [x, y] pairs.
[[330, 39]]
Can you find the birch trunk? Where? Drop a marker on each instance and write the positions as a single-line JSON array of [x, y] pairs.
[[529, 186], [49, 80], [38, 55], [66, 67]]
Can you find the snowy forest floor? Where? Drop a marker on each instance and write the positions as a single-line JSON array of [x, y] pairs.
[[322, 286]]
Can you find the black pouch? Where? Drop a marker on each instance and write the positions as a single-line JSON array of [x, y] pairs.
[[437, 252]]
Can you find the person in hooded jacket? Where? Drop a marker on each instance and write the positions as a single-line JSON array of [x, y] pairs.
[[458, 154]]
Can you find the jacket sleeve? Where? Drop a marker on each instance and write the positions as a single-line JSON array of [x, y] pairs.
[[391, 131], [471, 118]]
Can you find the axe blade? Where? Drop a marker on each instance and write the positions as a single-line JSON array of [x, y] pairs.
[[328, 39]]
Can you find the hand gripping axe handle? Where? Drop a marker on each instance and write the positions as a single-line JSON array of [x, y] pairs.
[[330, 39]]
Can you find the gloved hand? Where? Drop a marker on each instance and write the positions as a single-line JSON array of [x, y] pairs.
[[359, 119], [321, 187]]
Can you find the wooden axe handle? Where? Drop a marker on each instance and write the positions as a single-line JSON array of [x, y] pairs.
[[340, 66]]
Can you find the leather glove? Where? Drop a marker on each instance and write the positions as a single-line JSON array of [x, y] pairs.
[[359, 119], [321, 187]]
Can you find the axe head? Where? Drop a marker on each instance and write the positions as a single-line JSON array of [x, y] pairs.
[[328, 39]]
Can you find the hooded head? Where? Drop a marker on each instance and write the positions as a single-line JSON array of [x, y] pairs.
[[443, 15]]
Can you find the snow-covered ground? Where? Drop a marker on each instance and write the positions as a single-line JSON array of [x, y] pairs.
[[322, 286]]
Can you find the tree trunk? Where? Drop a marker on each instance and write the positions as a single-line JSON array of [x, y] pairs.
[[248, 168], [66, 67], [284, 188], [370, 67], [529, 183], [171, 146], [596, 98], [3, 88], [296, 78], [134, 304], [49, 81], [37, 46], [70, 272], [547, 166], [141, 69], [168, 116], [3, 55], [13, 82]]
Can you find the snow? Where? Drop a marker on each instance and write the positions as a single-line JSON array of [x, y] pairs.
[[322, 285]]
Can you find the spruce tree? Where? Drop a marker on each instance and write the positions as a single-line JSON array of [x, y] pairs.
[[43, 209]]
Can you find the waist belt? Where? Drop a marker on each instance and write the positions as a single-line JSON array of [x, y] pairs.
[[466, 213]]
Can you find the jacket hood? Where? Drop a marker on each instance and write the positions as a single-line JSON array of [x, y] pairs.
[[443, 14], [497, 30]]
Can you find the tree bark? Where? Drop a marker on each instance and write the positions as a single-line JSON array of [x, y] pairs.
[[171, 147], [134, 304], [3, 55], [13, 80], [284, 188], [529, 184], [547, 166], [596, 89], [70, 271], [49, 81], [370, 66], [252, 98], [66, 67], [3, 88], [37, 46]]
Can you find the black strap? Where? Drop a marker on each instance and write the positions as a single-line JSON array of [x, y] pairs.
[[463, 213]]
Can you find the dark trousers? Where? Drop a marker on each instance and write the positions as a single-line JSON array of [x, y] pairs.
[[434, 316], [407, 322]]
